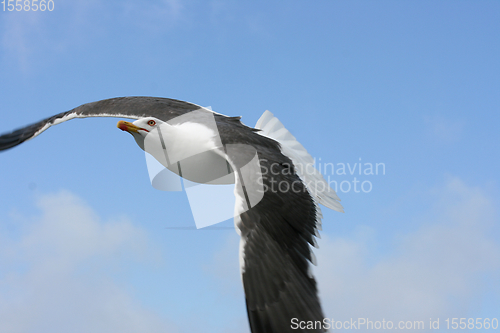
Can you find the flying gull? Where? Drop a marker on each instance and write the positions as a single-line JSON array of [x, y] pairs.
[[278, 219]]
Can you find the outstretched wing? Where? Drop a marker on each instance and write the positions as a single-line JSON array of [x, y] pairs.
[[278, 232], [276, 238], [121, 107]]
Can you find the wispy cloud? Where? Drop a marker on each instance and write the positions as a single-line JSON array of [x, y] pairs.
[[19, 34], [225, 270], [59, 275], [433, 272], [27, 36]]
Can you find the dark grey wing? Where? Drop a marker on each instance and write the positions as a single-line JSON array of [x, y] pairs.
[[276, 235], [121, 107]]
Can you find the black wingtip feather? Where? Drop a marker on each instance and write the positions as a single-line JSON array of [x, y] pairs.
[[14, 138]]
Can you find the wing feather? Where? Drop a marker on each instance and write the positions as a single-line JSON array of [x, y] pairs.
[[120, 107], [278, 232], [319, 188]]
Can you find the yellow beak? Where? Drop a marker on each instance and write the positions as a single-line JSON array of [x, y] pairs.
[[129, 127]]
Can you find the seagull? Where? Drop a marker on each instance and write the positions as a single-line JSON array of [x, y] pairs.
[[278, 220]]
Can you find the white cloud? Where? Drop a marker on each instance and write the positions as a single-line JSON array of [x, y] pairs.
[[225, 265], [59, 273], [225, 269], [436, 271]]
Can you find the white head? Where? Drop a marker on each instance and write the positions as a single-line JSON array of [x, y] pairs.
[[140, 128], [181, 140]]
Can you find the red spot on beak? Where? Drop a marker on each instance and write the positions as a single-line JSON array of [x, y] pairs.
[[123, 127]]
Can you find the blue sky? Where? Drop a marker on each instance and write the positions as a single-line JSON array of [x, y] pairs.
[[85, 243]]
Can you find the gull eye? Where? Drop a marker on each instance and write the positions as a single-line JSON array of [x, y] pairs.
[[151, 123]]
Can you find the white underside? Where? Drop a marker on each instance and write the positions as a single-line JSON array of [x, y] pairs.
[[75, 115]]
